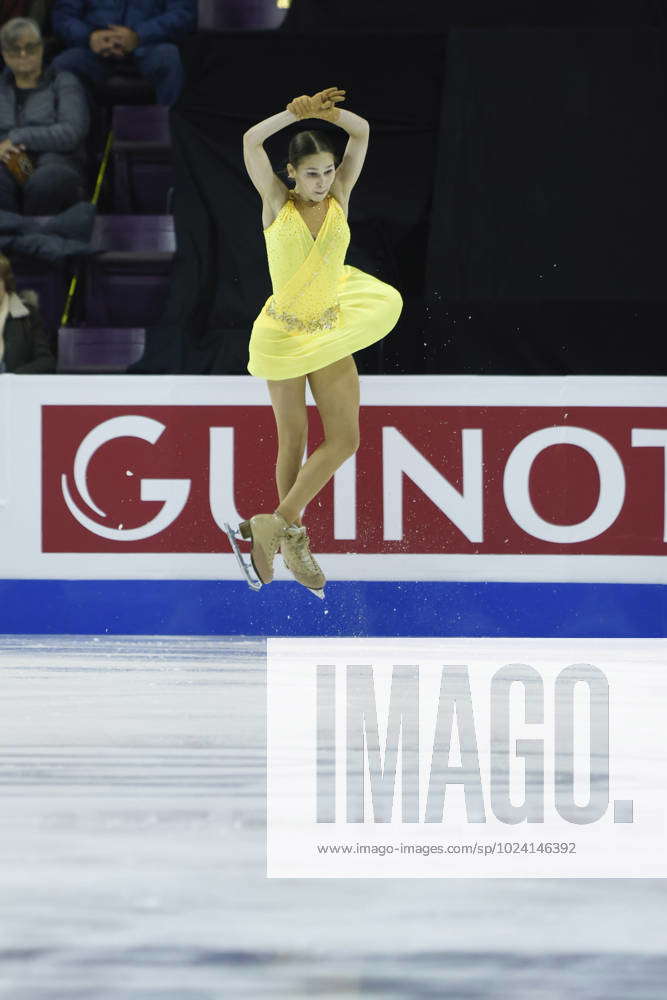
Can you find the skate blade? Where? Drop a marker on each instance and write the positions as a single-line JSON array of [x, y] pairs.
[[318, 592], [247, 568]]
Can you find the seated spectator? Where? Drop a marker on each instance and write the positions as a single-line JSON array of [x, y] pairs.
[[43, 113], [96, 43], [24, 349]]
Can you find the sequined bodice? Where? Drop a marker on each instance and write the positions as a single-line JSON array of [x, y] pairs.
[[305, 272]]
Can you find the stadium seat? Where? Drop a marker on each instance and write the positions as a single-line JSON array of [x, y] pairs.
[[127, 276], [142, 167], [125, 86], [98, 350]]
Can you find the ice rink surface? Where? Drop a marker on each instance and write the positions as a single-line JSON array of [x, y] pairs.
[[132, 853]]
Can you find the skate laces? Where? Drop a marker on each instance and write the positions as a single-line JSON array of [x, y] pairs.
[[300, 541]]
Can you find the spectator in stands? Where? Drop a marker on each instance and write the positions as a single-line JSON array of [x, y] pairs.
[[43, 113], [24, 349], [148, 37]]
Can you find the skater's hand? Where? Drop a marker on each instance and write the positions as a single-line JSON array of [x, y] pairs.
[[325, 103], [321, 105], [300, 107]]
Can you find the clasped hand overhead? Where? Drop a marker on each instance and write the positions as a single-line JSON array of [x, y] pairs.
[[321, 105]]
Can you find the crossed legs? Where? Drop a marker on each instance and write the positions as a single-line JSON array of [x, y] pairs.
[[335, 390]]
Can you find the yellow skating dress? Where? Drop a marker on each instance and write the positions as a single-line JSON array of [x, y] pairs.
[[321, 309]]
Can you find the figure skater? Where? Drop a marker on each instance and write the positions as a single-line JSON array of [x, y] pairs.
[[320, 312]]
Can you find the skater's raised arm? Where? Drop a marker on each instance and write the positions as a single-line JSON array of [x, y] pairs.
[[256, 135], [354, 125], [321, 105], [256, 161]]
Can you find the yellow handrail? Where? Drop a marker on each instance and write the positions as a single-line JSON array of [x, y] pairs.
[[101, 174]]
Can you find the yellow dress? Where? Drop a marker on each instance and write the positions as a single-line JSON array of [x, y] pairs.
[[321, 309]]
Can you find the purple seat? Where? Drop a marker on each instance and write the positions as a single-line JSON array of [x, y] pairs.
[[143, 124], [126, 85], [248, 15], [134, 234], [127, 277], [97, 350], [143, 172]]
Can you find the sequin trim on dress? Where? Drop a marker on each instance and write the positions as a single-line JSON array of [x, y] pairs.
[[326, 321]]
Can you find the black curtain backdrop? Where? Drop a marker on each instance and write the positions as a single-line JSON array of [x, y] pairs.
[[514, 191], [346, 15], [550, 204]]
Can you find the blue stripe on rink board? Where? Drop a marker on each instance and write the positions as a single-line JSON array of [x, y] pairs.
[[351, 608]]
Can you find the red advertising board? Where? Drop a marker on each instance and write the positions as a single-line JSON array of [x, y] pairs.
[[497, 479]]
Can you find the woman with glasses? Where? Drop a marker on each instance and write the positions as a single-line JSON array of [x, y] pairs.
[[44, 121]]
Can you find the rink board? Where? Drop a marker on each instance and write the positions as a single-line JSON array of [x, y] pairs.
[[474, 506], [371, 608]]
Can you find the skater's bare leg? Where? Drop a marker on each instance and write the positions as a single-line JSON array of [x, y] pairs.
[[335, 390], [288, 398]]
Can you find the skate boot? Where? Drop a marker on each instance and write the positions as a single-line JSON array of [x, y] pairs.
[[265, 531], [299, 560]]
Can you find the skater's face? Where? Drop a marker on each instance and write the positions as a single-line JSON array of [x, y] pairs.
[[314, 176]]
